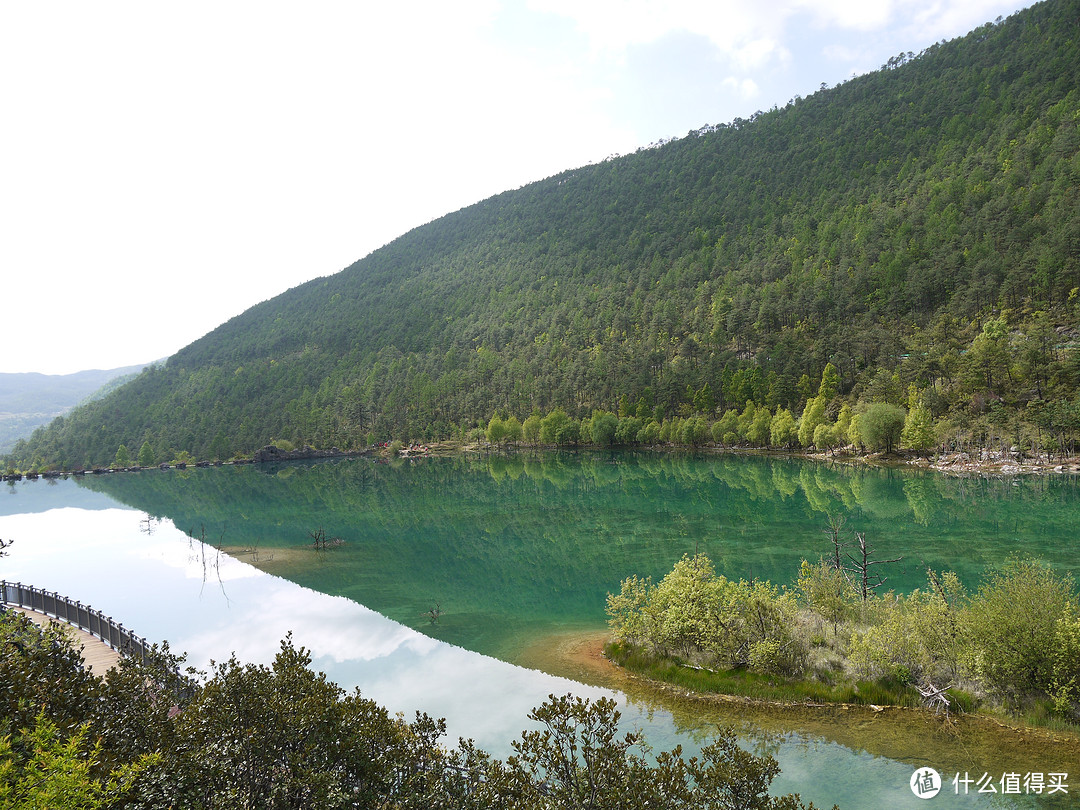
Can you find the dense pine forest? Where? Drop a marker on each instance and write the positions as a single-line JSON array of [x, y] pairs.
[[901, 251]]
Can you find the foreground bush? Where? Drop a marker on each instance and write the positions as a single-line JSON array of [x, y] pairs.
[[283, 736]]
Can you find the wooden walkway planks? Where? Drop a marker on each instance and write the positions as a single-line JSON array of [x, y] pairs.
[[98, 656]]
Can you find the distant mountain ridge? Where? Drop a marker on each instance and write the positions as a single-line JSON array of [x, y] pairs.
[[916, 228], [30, 399]]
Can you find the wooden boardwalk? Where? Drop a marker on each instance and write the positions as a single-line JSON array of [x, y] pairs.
[[98, 656]]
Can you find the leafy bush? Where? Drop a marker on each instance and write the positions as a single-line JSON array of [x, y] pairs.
[[880, 426], [697, 614], [1014, 626]]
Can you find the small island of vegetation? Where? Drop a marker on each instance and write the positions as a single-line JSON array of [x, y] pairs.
[[1011, 646]]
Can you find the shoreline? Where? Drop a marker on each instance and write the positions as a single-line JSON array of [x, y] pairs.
[[987, 463], [889, 729]]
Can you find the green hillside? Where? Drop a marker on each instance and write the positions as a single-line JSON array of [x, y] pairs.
[[917, 227], [29, 400]]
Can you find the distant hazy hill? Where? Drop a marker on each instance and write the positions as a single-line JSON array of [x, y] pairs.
[[916, 227], [30, 400]]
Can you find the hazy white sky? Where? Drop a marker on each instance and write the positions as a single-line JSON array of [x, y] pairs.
[[165, 166]]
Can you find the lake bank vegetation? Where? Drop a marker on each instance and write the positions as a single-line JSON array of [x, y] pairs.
[[1012, 645], [910, 231], [282, 736]]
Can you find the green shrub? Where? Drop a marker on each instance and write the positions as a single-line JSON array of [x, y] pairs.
[[1014, 627]]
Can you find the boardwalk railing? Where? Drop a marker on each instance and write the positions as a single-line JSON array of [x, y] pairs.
[[83, 616]]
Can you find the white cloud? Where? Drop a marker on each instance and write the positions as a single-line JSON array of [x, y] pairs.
[[747, 88], [614, 25], [858, 15]]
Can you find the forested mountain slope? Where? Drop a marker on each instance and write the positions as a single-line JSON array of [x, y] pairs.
[[917, 226], [28, 400]]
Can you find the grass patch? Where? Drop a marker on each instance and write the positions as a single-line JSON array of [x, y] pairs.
[[1042, 714], [760, 686]]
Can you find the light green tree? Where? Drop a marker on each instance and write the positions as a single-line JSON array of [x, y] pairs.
[[854, 435], [496, 430], [649, 433], [530, 429], [843, 423], [760, 433], [512, 429], [1065, 678], [784, 431], [825, 436], [745, 420], [602, 428], [726, 425], [813, 415], [830, 383], [827, 592], [146, 455], [558, 428], [628, 429], [694, 432], [880, 426], [627, 611], [918, 432], [123, 457]]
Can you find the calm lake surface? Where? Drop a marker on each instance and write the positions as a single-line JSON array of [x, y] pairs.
[[517, 553]]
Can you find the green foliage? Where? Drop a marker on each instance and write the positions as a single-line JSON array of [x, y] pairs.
[[784, 430], [558, 428], [284, 736], [880, 426], [827, 591], [694, 613], [649, 433], [122, 458], [146, 455], [1065, 680], [912, 637], [813, 416], [579, 754], [726, 426], [854, 434], [512, 430], [830, 383], [918, 432], [1016, 639], [603, 427], [49, 772], [627, 431], [500, 431], [530, 429], [1014, 628], [496, 430], [759, 433], [694, 432]]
